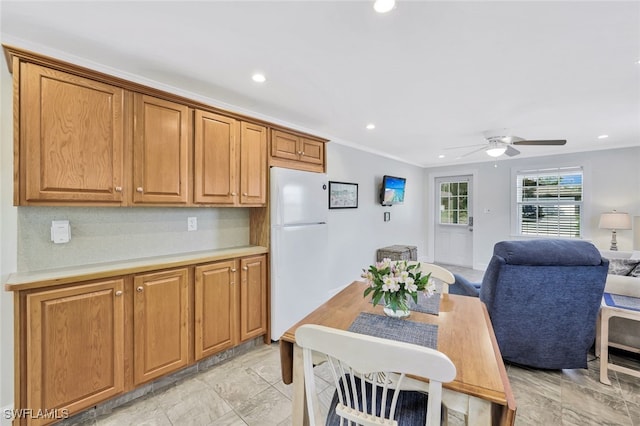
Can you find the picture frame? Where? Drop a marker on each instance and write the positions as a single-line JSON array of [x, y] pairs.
[[343, 195]]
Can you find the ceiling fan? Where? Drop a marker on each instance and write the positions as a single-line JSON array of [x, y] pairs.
[[500, 141]]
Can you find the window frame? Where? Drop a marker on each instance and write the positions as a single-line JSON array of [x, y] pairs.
[[516, 205]]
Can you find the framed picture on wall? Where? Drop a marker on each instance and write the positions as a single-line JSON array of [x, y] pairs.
[[343, 195]]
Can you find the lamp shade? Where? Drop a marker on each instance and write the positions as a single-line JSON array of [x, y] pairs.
[[615, 220]]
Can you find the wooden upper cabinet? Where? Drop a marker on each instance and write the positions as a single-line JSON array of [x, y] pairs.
[[161, 141], [216, 165], [297, 152], [74, 346], [70, 139], [160, 317], [230, 161], [253, 164], [311, 151]]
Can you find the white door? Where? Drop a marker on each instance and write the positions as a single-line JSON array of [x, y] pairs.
[[453, 220]]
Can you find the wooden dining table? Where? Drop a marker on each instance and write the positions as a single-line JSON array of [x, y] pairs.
[[481, 387]]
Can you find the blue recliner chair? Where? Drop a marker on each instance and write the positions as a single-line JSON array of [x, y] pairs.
[[543, 297]]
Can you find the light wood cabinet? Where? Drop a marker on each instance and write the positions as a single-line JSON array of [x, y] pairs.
[[86, 337], [216, 308], [74, 346], [161, 149], [160, 317], [231, 304], [297, 151], [253, 164], [230, 164], [253, 297], [70, 141], [215, 174]]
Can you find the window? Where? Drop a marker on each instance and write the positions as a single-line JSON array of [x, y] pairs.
[[549, 202], [454, 197]]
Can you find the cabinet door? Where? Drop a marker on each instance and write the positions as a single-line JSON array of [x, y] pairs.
[[160, 151], [216, 308], [284, 145], [160, 323], [215, 159], [311, 151], [74, 346], [253, 164], [71, 138], [253, 297]]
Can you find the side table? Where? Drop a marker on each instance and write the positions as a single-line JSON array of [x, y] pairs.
[[614, 305]]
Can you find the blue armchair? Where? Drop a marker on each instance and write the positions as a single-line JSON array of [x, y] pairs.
[[543, 297]]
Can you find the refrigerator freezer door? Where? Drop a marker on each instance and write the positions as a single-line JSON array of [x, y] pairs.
[[298, 197], [299, 274]]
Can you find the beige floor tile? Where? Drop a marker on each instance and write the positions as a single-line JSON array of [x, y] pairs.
[[268, 407]]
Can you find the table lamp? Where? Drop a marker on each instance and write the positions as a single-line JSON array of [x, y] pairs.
[[614, 220]]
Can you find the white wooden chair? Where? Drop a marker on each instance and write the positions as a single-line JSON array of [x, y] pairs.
[[437, 272], [369, 375]]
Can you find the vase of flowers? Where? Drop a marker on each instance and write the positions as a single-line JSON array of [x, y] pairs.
[[394, 283]]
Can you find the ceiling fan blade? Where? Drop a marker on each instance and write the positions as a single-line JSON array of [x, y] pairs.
[[474, 151], [541, 142], [511, 151], [465, 146]]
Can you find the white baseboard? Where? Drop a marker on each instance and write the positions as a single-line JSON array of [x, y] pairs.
[[6, 412]]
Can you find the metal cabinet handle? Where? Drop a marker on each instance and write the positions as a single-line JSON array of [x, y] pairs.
[[139, 189], [139, 289], [119, 293], [118, 189]]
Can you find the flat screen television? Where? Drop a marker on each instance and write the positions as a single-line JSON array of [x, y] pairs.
[[392, 190]]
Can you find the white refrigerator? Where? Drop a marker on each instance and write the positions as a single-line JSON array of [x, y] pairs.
[[299, 246]]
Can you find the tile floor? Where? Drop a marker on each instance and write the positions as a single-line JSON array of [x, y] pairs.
[[248, 390]]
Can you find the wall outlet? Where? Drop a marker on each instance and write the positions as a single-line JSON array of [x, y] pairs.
[[192, 224]]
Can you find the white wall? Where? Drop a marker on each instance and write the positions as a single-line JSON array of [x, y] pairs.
[[355, 234], [611, 181], [8, 239]]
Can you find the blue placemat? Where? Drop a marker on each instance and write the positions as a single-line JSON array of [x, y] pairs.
[[400, 330], [624, 302], [426, 305]]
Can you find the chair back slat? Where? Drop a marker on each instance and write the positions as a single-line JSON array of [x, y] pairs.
[[368, 374]]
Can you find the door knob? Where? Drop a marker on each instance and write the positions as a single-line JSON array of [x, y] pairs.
[[244, 268], [119, 293], [233, 270], [118, 189], [139, 289], [139, 189], [244, 194]]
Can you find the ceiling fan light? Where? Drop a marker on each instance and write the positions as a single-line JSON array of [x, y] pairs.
[[384, 6], [496, 151]]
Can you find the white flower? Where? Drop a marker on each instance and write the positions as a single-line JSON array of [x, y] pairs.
[[403, 277], [388, 283], [410, 285]]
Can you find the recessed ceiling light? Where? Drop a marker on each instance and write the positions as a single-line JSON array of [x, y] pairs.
[[603, 136], [384, 6], [371, 126], [258, 78], [441, 156]]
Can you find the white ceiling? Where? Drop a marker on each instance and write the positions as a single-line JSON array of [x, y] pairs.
[[431, 75]]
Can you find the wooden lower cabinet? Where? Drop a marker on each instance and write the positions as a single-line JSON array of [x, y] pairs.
[[75, 346], [230, 305], [160, 317], [83, 343], [216, 295], [253, 297]]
